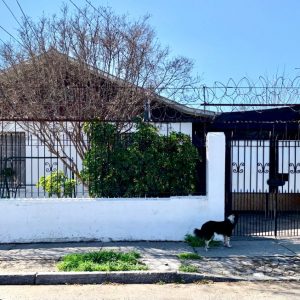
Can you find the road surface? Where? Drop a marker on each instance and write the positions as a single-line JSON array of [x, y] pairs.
[[242, 290]]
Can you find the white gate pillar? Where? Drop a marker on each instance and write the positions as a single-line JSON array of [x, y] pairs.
[[215, 168]]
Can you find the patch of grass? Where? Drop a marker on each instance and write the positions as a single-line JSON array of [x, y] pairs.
[[102, 261], [188, 255], [188, 268], [194, 241]]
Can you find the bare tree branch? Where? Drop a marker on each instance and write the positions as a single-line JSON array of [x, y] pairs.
[[84, 66]]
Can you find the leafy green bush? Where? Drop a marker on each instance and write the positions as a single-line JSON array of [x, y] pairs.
[[57, 183], [143, 163]]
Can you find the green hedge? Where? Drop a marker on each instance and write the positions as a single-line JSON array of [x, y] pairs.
[[142, 163]]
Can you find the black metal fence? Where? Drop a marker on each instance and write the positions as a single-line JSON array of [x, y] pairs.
[[31, 152], [263, 186]]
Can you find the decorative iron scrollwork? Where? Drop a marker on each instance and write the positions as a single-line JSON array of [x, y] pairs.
[[50, 167], [293, 168], [238, 168], [263, 168]]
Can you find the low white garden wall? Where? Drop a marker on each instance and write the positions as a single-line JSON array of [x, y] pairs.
[[52, 220], [100, 219]]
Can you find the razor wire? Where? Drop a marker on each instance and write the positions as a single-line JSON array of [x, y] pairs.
[[248, 95]]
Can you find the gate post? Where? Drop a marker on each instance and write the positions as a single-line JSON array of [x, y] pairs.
[[274, 174], [228, 176], [215, 168]]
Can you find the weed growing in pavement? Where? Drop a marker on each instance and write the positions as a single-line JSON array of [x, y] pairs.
[[188, 255], [195, 242], [102, 261], [188, 268]]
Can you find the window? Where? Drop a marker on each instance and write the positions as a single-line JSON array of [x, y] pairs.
[[13, 161]]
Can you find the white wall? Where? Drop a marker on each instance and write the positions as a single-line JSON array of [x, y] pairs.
[[100, 219], [167, 128], [36, 220]]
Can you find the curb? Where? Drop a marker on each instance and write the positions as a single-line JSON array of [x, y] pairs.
[[128, 277], [18, 279]]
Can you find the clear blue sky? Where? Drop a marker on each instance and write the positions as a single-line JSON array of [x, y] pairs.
[[225, 38]]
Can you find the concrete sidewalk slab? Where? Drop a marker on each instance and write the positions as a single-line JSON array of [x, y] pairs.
[[45, 251], [57, 250], [251, 259], [291, 244], [248, 248], [18, 258], [250, 267], [159, 256]]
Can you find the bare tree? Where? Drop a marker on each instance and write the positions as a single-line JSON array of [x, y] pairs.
[[87, 65]]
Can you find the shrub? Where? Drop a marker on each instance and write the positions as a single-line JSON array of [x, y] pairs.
[[142, 163], [57, 183]]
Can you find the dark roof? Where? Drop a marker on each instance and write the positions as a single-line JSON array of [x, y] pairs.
[[166, 110], [283, 116]]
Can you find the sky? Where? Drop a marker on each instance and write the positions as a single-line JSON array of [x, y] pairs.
[[225, 38]]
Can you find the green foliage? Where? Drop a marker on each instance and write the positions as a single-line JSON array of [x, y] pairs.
[[102, 261], [57, 183], [195, 242], [142, 163], [188, 268], [189, 256]]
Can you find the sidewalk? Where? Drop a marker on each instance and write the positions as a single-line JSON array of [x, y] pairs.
[[251, 259]]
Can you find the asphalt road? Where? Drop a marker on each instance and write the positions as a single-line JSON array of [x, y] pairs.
[[241, 290]]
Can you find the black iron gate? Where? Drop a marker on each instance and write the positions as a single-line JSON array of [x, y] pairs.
[[263, 186]]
